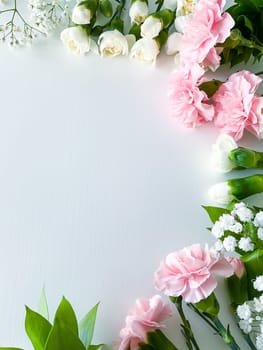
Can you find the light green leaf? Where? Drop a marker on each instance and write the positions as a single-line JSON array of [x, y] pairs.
[[62, 337], [214, 212], [87, 325], [95, 347], [43, 307], [65, 315], [37, 329]]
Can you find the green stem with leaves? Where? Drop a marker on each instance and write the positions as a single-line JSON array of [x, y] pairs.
[[186, 326]]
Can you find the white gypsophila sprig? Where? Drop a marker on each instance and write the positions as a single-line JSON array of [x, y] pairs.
[[243, 213], [258, 283], [48, 15], [230, 243], [251, 320], [14, 28], [258, 221], [246, 244], [226, 222]]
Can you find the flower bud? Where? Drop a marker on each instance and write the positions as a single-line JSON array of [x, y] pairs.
[[154, 24], [84, 11], [138, 11], [113, 43], [76, 40], [220, 153]]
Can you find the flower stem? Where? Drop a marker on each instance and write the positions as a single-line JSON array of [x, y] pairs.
[[186, 327], [249, 342], [226, 335]]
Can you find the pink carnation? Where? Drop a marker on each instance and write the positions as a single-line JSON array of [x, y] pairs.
[[190, 273], [147, 315], [203, 31], [237, 107], [238, 266], [187, 102]]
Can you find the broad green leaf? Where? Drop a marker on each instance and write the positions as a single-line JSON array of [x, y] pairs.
[[43, 307], [87, 325], [37, 329], [158, 340], [208, 306], [214, 212], [62, 337], [210, 87], [95, 347], [65, 315]]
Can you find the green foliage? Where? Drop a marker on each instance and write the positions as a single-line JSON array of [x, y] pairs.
[[210, 87], [215, 212], [86, 326], [43, 307], [246, 38], [64, 334], [208, 306]]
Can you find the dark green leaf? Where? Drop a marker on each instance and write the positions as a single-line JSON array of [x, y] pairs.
[[158, 340], [10, 348], [210, 87], [65, 315], [208, 306], [61, 337], [37, 329], [87, 325]]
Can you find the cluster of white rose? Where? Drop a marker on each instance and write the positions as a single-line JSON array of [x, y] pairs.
[[235, 230], [250, 314], [148, 33]]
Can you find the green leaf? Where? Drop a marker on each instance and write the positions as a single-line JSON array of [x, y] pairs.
[[43, 307], [95, 347], [65, 315], [214, 212], [37, 329], [87, 325], [158, 340], [106, 8], [254, 268], [210, 87], [237, 289], [208, 306], [62, 337]]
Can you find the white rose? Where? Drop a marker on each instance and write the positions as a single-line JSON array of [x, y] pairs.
[[81, 15], [138, 11], [170, 4], [220, 193], [151, 27], [173, 44], [145, 50], [220, 152], [76, 40], [184, 11], [113, 43]]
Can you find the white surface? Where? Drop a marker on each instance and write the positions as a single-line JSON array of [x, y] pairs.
[[97, 185]]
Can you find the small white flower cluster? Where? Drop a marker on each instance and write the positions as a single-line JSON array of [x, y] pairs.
[[14, 28], [229, 229], [251, 316], [48, 15]]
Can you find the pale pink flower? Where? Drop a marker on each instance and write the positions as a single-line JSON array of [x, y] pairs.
[[203, 30], [187, 102], [237, 107], [190, 273], [238, 266], [146, 316]]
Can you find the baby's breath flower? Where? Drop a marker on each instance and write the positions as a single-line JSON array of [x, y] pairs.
[[258, 221], [230, 243], [244, 214], [260, 233], [258, 283], [244, 312], [217, 230], [246, 244]]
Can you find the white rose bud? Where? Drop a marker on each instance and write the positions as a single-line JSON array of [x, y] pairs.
[[221, 193], [220, 152], [151, 27], [138, 11], [145, 50], [170, 4], [184, 11], [81, 15], [173, 44], [113, 43], [76, 40]]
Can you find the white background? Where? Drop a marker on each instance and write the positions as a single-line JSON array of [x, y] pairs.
[[97, 184]]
